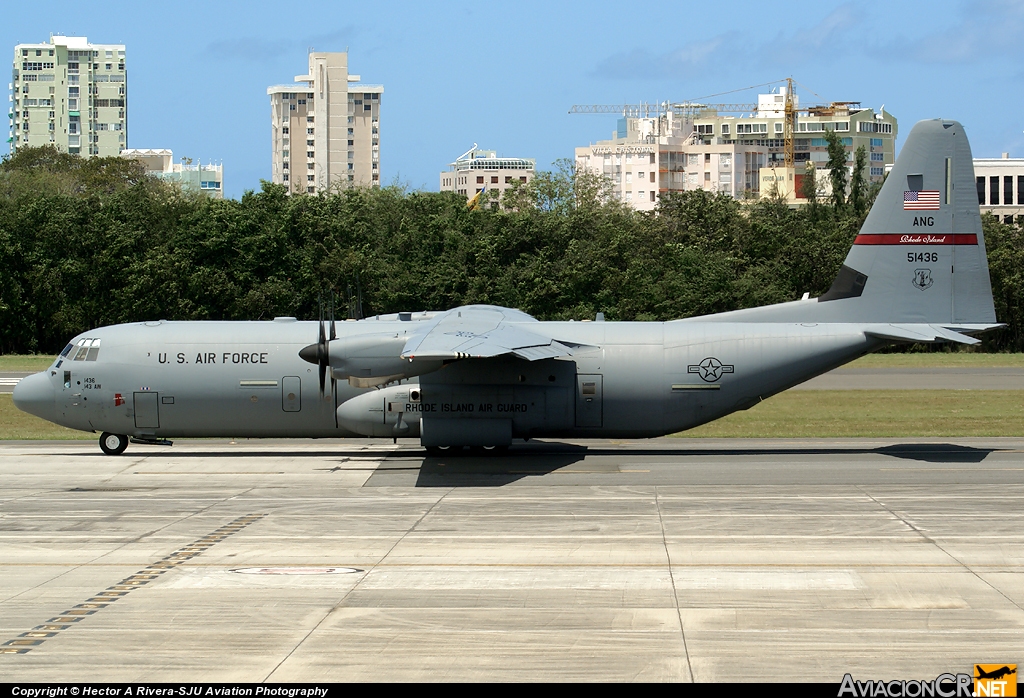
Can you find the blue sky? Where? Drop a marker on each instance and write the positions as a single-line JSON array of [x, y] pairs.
[[504, 75]]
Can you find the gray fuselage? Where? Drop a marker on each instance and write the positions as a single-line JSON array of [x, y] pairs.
[[245, 379]]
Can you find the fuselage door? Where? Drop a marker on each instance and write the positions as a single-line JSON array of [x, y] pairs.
[[589, 412], [291, 395], [147, 410]]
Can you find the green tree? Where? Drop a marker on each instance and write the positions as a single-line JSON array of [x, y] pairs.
[[858, 184], [809, 184], [568, 188], [1005, 247], [90, 243], [836, 168]]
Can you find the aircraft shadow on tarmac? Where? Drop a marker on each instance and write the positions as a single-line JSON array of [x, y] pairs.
[[537, 458], [543, 458]]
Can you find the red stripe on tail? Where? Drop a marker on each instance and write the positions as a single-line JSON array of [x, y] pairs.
[[918, 239]]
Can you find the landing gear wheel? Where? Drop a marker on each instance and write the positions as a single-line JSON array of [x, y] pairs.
[[113, 444], [438, 451]]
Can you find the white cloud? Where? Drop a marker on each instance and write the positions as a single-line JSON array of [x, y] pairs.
[[984, 30], [784, 52]]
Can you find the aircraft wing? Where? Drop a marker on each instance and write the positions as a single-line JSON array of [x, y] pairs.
[[480, 332]]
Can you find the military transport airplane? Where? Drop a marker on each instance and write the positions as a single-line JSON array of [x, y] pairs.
[[481, 375]]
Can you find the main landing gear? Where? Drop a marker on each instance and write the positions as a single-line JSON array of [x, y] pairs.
[[113, 444], [437, 451]]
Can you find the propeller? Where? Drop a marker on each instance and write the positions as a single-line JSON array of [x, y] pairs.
[[319, 353]]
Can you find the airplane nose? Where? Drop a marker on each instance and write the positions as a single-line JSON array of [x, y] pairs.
[[35, 394]]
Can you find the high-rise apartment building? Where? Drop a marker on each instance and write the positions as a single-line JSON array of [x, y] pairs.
[[70, 94], [680, 147], [325, 129]]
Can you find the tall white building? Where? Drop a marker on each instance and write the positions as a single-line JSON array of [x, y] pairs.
[[680, 147], [325, 128], [70, 94]]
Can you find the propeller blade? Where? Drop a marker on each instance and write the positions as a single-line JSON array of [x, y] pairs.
[[334, 334], [322, 355]]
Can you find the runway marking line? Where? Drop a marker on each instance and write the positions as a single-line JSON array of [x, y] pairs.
[[228, 472], [564, 471], [27, 641], [958, 470]]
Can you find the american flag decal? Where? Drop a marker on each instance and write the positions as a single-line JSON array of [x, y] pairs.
[[921, 200]]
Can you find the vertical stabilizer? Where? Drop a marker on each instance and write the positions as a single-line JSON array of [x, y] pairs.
[[920, 256]]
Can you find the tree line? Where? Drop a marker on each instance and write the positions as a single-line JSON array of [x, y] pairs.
[[92, 242]]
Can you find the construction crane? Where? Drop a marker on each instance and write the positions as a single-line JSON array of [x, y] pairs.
[[647, 110], [698, 109], [789, 125]]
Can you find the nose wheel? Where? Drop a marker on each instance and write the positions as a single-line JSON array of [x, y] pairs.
[[113, 444]]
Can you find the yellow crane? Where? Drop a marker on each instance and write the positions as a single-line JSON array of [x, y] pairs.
[[789, 124]]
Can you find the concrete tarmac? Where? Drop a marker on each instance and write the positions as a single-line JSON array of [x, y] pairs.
[[661, 560]]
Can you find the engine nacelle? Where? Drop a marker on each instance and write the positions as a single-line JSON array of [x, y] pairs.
[[384, 412], [375, 359], [486, 403]]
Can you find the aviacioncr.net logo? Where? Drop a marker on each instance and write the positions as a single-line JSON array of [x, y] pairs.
[[942, 686]]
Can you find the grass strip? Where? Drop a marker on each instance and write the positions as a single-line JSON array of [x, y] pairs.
[[15, 424], [939, 360], [818, 413], [25, 362], [876, 413]]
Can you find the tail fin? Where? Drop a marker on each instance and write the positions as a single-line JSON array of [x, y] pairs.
[[920, 256], [917, 271]]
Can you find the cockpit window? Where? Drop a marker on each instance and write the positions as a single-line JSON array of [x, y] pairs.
[[66, 350], [87, 350]]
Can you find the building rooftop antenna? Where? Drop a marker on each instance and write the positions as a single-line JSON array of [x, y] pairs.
[[466, 153]]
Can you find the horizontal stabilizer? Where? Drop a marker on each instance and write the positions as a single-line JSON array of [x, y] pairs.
[[927, 334]]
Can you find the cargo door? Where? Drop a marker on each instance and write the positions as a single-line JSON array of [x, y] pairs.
[[147, 410], [589, 412], [291, 394]]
